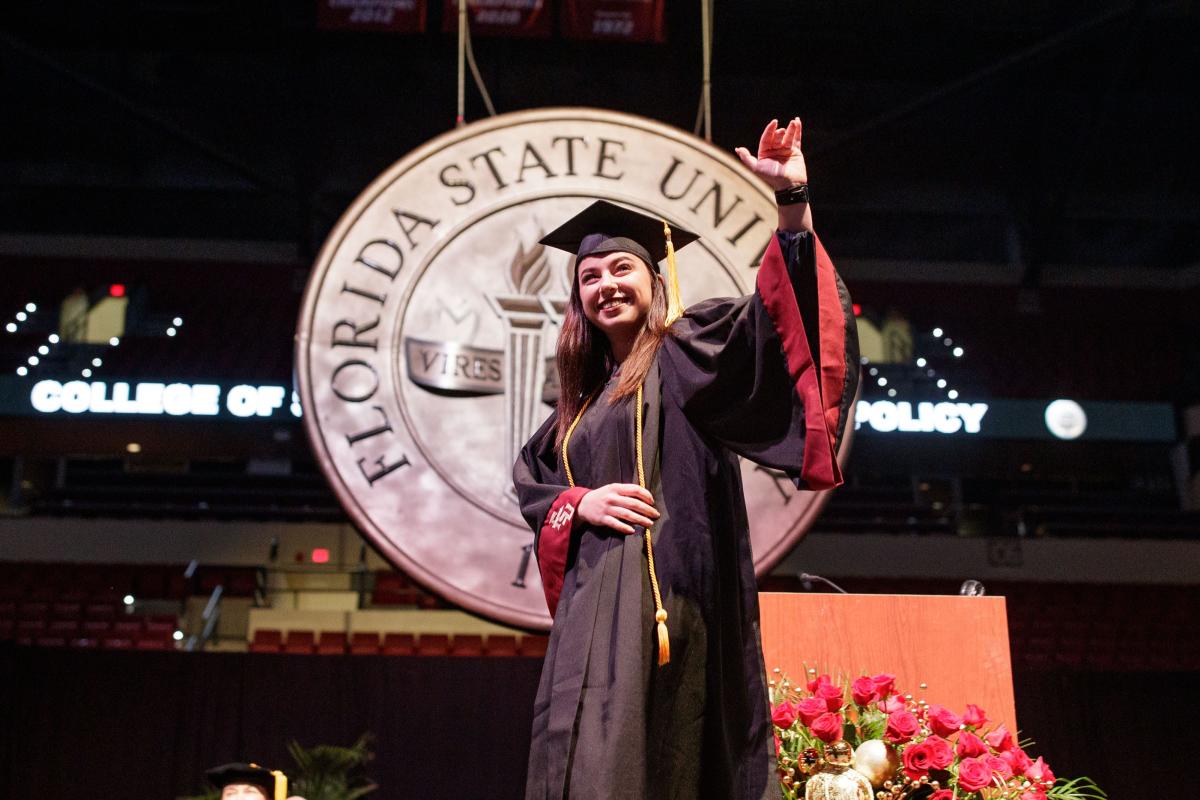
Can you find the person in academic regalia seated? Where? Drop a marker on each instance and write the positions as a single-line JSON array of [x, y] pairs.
[[653, 684], [249, 782]]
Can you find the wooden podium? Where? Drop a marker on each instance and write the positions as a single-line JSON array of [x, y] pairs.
[[958, 646]]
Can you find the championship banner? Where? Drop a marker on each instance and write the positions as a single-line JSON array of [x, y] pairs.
[[384, 16], [501, 17], [622, 20]]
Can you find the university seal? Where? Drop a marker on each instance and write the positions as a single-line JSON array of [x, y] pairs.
[[426, 338]]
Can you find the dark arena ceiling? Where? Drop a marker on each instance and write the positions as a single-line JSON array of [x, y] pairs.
[[1016, 143]]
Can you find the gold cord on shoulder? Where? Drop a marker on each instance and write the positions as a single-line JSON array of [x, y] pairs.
[[660, 613]]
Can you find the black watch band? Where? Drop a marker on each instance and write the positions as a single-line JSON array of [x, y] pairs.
[[792, 195]]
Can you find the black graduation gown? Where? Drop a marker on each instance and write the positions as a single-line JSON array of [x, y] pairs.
[[770, 377]]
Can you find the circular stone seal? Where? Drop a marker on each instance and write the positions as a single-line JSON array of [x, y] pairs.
[[426, 339]]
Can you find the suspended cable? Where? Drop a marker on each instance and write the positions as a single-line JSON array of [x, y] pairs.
[[704, 112], [461, 118], [466, 58], [483, 92]]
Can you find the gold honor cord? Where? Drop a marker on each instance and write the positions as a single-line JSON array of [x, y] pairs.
[[281, 787], [660, 613]]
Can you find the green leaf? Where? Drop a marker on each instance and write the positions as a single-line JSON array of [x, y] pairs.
[[1082, 788]]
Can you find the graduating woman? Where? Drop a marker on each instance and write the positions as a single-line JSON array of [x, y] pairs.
[[653, 684]]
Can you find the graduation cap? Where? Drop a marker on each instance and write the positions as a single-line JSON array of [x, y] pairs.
[[272, 782], [605, 227]]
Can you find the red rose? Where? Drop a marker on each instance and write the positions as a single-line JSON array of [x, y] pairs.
[[970, 745], [974, 716], [820, 680], [891, 705], [974, 774], [901, 726], [941, 753], [863, 691], [1016, 759], [999, 766], [810, 708], [827, 727], [1033, 793], [1000, 739], [916, 759], [784, 715], [942, 794], [943, 721], [884, 684], [1039, 771], [832, 695]]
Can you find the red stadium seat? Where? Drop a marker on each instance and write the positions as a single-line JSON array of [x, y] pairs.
[[533, 646], [331, 643], [399, 644], [466, 644], [50, 641], [116, 643], [85, 642], [30, 627], [364, 644], [152, 643], [100, 611], [95, 627], [127, 627], [65, 627], [8, 609], [33, 611], [299, 642], [266, 640], [433, 644], [499, 644], [61, 610]]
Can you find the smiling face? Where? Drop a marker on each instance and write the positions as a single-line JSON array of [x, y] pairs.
[[615, 290], [243, 791]]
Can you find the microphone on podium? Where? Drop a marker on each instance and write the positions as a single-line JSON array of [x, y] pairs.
[[808, 579], [972, 588]]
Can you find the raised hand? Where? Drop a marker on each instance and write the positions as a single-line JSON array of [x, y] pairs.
[[617, 505], [779, 162]]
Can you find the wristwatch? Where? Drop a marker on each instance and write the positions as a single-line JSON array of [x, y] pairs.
[[792, 195]]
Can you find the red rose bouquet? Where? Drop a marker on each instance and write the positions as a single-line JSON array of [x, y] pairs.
[[905, 747]]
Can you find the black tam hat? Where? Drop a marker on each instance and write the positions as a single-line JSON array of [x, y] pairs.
[[605, 227], [273, 784]]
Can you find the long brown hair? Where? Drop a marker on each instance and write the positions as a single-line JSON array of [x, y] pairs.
[[585, 360]]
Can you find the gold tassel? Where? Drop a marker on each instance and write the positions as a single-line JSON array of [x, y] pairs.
[[664, 643], [281, 789], [674, 302]]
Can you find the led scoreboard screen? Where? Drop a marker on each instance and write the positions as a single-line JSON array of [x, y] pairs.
[[83, 398], [1060, 419]]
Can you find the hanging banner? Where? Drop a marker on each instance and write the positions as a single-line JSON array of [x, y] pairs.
[[387, 16], [501, 17], [622, 20]]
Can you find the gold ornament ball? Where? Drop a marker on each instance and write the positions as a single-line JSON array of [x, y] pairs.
[[876, 761]]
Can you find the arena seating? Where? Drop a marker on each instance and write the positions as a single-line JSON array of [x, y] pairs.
[[267, 640], [1051, 626]]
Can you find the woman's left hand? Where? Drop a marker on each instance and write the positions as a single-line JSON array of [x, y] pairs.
[[779, 162]]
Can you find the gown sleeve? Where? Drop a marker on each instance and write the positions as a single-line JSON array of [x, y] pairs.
[[772, 375], [548, 505]]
